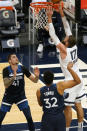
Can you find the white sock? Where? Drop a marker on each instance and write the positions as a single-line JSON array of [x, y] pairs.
[[67, 128], [80, 126]]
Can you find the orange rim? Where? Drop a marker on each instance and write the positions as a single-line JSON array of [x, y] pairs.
[[44, 4], [39, 5]]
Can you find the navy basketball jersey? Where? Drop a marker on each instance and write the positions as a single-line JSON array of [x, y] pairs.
[[18, 84], [51, 100]]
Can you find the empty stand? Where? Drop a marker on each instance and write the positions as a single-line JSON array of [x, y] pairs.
[[8, 31]]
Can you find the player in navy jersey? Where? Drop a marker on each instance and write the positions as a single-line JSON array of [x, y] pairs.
[[13, 77], [50, 97]]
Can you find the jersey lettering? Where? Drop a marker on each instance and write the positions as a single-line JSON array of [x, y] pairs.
[[74, 55], [16, 83], [52, 104]]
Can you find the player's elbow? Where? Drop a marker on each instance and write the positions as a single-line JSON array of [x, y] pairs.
[[6, 84], [78, 81]]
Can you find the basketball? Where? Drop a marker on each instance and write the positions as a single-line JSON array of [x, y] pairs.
[[55, 1]]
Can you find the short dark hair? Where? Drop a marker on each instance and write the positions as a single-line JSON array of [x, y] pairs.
[[71, 41], [9, 56], [48, 77]]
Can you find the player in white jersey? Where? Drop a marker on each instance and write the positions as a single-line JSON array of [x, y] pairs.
[[68, 53], [71, 56]]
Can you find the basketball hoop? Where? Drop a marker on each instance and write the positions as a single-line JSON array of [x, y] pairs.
[[39, 10], [40, 5]]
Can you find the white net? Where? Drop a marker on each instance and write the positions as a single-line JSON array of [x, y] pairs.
[[40, 12], [39, 8], [42, 19]]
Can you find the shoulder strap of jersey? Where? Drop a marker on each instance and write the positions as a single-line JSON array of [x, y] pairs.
[[9, 69], [19, 68]]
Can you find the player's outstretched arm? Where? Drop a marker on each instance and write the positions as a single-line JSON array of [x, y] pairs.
[[65, 22], [61, 86], [52, 34]]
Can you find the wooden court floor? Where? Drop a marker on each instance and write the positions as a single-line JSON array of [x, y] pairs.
[[16, 116]]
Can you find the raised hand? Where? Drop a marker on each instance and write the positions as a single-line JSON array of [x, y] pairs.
[[61, 10], [36, 71], [49, 11]]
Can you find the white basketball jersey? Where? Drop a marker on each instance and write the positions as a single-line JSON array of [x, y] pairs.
[[71, 57]]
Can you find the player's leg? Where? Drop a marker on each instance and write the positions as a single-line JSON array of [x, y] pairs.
[[2, 116], [80, 115], [60, 122], [47, 124], [5, 107], [24, 107], [28, 116], [69, 102], [68, 116], [78, 106]]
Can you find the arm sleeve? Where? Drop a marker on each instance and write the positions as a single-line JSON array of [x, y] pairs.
[[26, 71], [66, 26], [5, 73], [53, 35]]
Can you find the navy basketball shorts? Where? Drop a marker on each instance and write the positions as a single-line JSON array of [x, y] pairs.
[[53, 122], [8, 101]]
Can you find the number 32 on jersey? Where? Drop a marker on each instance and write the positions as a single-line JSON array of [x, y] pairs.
[[51, 102]]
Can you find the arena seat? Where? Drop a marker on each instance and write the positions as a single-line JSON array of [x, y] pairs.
[[19, 8], [20, 15], [8, 29], [7, 22], [83, 26]]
